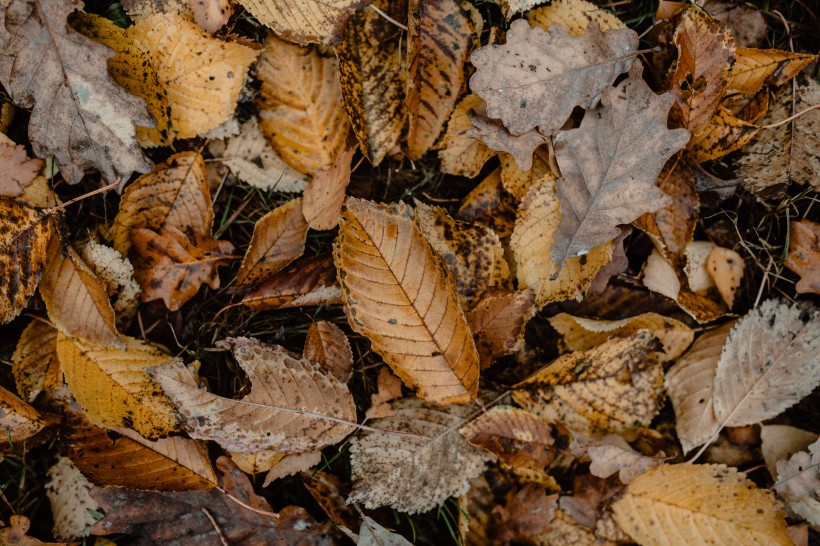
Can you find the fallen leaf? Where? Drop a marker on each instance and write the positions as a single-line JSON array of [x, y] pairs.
[[307, 282], [565, 531], [518, 182], [517, 437], [62, 77], [747, 23], [117, 276], [726, 268], [211, 15], [614, 267], [389, 470], [497, 138], [798, 481], [723, 134], [300, 106], [438, 42], [526, 513], [497, 322], [322, 199], [749, 108], [804, 255], [373, 534], [329, 492], [491, 205], [697, 275], [779, 442], [278, 239], [258, 461], [17, 533], [292, 463], [521, 80], [16, 169], [18, 420], [142, 9], [612, 454], [327, 345], [474, 512], [293, 405], [687, 504], [754, 68], [304, 21], [575, 15], [400, 295], [34, 363], [389, 388], [71, 505], [462, 152]]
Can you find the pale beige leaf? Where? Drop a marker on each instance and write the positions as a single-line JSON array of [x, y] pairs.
[[68, 494], [690, 384], [726, 268], [497, 138], [747, 22], [307, 282], [438, 43], [659, 276], [399, 294], [497, 322], [613, 387], [300, 107], [697, 275], [113, 387], [769, 363], [278, 239], [699, 504], [211, 15], [779, 442], [293, 405], [304, 21], [203, 75], [389, 388], [34, 363], [291, 464], [117, 275], [575, 15], [754, 68], [532, 241], [16, 169], [612, 454], [322, 199], [409, 473], [517, 437], [18, 420], [258, 461], [517, 181], [373, 534], [327, 345], [798, 481], [462, 153]]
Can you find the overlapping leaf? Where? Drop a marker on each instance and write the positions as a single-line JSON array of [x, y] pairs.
[[304, 21], [804, 255]]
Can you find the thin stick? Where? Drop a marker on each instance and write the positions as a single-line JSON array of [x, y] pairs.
[[788, 119], [111, 186], [249, 507], [387, 17], [215, 526]]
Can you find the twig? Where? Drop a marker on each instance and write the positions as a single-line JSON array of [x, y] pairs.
[[388, 18], [248, 506], [788, 119], [111, 186]]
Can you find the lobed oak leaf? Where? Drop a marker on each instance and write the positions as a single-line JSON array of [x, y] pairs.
[[18, 420], [16, 169], [496, 137], [71, 505], [462, 152], [78, 113], [311, 281], [304, 21], [575, 15], [491, 205], [34, 363], [612, 454], [754, 68], [373, 534], [327, 345], [538, 77], [804, 255], [322, 199], [401, 296], [798, 482], [417, 472], [293, 405], [497, 321]]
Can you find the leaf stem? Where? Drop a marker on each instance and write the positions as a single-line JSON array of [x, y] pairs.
[[788, 119]]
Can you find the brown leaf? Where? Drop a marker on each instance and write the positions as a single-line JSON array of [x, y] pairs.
[[322, 199], [307, 282], [747, 23], [16, 169], [575, 15], [18, 420], [438, 42], [278, 239], [538, 77], [526, 513], [78, 113], [389, 388], [24, 241], [517, 437], [614, 267], [497, 322], [292, 463], [172, 269], [399, 294], [804, 255], [34, 363], [329, 492], [490, 204], [211, 15], [610, 164], [754, 68], [304, 21], [496, 137], [461, 152], [328, 346], [749, 108]]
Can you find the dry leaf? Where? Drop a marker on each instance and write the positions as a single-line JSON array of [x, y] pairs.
[[18, 420], [519, 182], [293, 405], [292, 463], [754, 68], [17, 534], [565, 531], [575, 15], [211, 15], [697, 275], [300, 107], [389, 388], [278, 239], [614, 267], [538, 77], [372, 79], [613, 387], [747, 23], [798, 481], [804, 255], [373, 534], [142, 9], [697, 504], [726, 268], [611, 454], [438, 42], [34, 363], [327, 345], [497, 138], [491, 205], [724, 134], [67, 491], [307, 282], [113, 387], [323, 198], [497, 322], [517, 437], [749, 108], [117, 275], [400, 295], [474, 509], [414, 474], [610, 164], [462, 153], [16, 169], [304, 21], [24, 241], [78, 113], [526, 513], [779, 442], [329, 492]]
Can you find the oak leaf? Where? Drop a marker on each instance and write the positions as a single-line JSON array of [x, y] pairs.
[[754, 68], [462, 153], [17, 534], [34, 363], [311, 281], [71, 505], [18, 420], [612, 454], [538, 77], [293, 405], [304, 21], [496, 137], [575, 15], [497, 321], [327, 345], [78, 113], [322, 199], [401, 296], [804, 255], [415, 473], [16, 169]]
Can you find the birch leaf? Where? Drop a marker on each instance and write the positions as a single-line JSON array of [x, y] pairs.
[[304, 21]]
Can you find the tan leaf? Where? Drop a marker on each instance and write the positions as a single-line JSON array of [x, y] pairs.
[[779, 442], [575, 15], [705, 53], [389, 388], [532, 241], [496, 137], [438, 42], [613, 387], [76, 300], [373, 534], [526, 513], [174, 195], [300, 107], [726, 268], [291, 464], [327, 345], [307, 282], [754, 68], [615, 184], [462, 153], [34, 362], [497, 322], [518, 182], [71, 505], [612, 454], [491, 205], [323, 198], [697, 275], [798, 481], [78, 113], [16, 169], [521, 80], [723, 134], [257, 462], [24, 241], [582, 334], [804, 255], [202, 75], [18, 420], [293, 405], [400, 295], [372, 80], [117, 276], [409, 473], [17, 533], [113, 387], [142, 9], [211, 15], [517, 437], [695, 504], [172, 269], [304, 21]]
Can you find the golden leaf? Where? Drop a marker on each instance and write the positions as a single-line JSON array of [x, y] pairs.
[[519, 182], [575, 15], [491, 205], [307, 282], [34, 362], [304, 21], [399, 294], [517, 437], [328, 346], [726, 268], [461, 153], [723, 134], [322, 199], [754, 68]]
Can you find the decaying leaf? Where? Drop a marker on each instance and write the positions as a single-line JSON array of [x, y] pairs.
[[696, 504], [322, 199], [24, 241], [798, 481], [754, 68], [278, 239], [78, 113], [34, 363], [327, 345], [612, 454], [292, 463], [16, 169], [575, 15], [461, 152], [18, 420], [497, 322], [389, 388], [804, 255], [697, 276], [399, 294], [142, 9], [527, 512], [17, 533], [517, 437], [613, 387], [211, 15], [538, 77], [491, 205], [304, 21], [437, 47], [779, 442], [117, 275], [414, 474], [293, 405], [67, 491], [723, 134], [307, 282], [373, 534], [329, 492]]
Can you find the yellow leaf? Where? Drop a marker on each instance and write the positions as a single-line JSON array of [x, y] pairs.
[[575, 15], [399, 294], [723, 134], [34, 362], [304, 21], [519, 182], [754, 68], [699, 504], [462, 154]]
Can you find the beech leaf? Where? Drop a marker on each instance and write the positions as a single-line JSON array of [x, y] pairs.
[[517, 437], [304, 21], [34, 363], [327, 345], [322, 199], [307, 282], [497, 322], [575, 15], [798, 481]]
